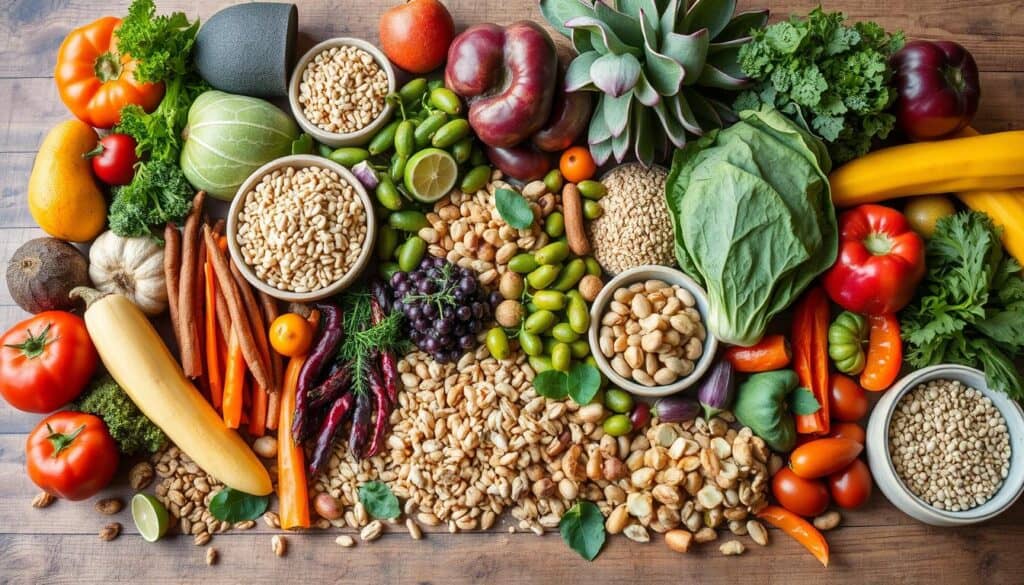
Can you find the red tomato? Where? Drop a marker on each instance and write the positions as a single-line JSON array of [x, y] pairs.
[[806, 497], [851, 487], [846, 430], [71, 455], [847, 401], [113, 160], [415, 35], [46, 361]]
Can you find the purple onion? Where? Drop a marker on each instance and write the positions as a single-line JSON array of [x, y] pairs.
[[718, 390], [366, 175], [676, 409]]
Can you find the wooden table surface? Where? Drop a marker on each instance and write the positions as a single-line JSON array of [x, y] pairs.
[[877, 544]]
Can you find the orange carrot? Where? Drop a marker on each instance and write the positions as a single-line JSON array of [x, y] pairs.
[[771, 353], [258, 411], [291, 461], [212, 368], [234, 378]]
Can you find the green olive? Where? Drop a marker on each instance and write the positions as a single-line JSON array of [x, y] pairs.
[[617, 425], [591, 189], [561, 357], [397, 169], [577, 313], [475, 179], [554, 224], [592, 209], [451, 133], [543, 276], [553, 181], [593, 266], [570, 275], [413, 90], [426, 129], [553, 253], [523, 263], [497, 343], [408, 221], [445, 100], [618, 401], [539, 322], [540, 363], [384, 139], [349, 156], [479, 157], [463, 149], [404, 141], [531, 344], [580, 348], [562, 332], [550, 300], [410, 254], [388, 195], [387, 242]]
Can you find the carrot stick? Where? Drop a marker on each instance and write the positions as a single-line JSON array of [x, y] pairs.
[[291, 461], [255, 316], [271, 312], [234, 377], [771, 353], [199, 316], [172, 272], [239, 321], [213, 368], [810, 357], [189, 334]]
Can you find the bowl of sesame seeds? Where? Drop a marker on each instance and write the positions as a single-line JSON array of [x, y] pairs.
[[338, 92], [945, 448]]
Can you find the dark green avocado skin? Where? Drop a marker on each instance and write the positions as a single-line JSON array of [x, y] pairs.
[[249, 49]]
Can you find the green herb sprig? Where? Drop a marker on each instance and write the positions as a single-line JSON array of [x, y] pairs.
[[363, 338], [379, 500], [582, 528]]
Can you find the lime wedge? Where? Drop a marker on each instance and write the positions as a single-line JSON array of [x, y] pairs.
[[150, 517], [430, 174]]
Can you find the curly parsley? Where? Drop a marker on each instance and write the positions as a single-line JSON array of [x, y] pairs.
[[832, 77]]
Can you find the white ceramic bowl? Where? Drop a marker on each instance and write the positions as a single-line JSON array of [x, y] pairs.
[[334, 139], [600, 306], [893, 487], [302, 161]]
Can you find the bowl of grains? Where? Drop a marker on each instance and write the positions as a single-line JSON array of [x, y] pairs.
[[301, 228], [647, 324], [945, 449], [338, 91]]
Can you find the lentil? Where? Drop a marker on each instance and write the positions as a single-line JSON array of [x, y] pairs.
[[634, 228], [343, 89]]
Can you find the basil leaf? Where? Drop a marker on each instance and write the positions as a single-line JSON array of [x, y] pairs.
[[379, 501], [802, 401], [551, 384], [584, 381], [582, 528], [513, 208], [231, 505]]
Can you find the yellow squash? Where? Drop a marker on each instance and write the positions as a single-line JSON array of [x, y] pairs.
[[991, 162], [1006, 208], [62, 195], [137, 358]]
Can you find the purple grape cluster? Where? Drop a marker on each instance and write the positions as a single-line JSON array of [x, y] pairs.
[[445, 307]]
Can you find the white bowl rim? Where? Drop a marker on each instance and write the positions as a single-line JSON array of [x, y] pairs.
[[302, 161], [671, 276], [1006, 495], [296, 78]]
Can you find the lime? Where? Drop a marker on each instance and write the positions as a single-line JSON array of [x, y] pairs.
[[430, 174], [150, 517]]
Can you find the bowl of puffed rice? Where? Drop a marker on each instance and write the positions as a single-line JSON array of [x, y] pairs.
[[338, 91], [945, 448], [301, 228]]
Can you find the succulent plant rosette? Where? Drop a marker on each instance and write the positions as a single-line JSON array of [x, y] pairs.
[[664, 69]]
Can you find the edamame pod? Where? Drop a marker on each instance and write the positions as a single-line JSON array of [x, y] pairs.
[[450, 133], [475, 179], [384, 139], [388, 195], [408, 220], [543, 276], [554, 224], [404, 140], [445, 100], [410, 254], [497, 343], [570, 275], [553, 253], [539, 322], [523, 263], [561, 357], [349, 156]]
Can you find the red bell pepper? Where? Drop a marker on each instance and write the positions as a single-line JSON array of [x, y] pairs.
[[810, 357], [881, 261]]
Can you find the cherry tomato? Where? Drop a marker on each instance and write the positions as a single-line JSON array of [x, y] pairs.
[[806, 497], [577, 164], [924, 212], [46, 361], [851, 487], [291, 335], [71, 455], [848, 430], [823, 457], [113, 159], [847, 401]]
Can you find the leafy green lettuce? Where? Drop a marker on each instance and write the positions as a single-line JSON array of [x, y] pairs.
[[753, 219]]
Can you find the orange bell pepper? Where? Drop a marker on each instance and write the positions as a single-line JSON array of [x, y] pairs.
[[801, 530], [95, 81], [885, 353]]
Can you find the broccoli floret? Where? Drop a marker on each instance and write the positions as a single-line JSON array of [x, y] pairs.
[[131, 429], [159, 193]]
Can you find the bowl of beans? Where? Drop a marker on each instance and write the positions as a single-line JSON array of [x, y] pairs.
[[338, 91], [647, 328], [945, 448], [301, 228]]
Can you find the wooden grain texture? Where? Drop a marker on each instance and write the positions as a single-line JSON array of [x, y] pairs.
[[876, 544]]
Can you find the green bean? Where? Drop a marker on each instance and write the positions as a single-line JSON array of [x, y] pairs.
[[592, 209], [413, 90], [497, 343], [349, 156], [463, 149], [540, 363], [539, 322], [410, 254], [549, 300], [404, 141], [561, 357], [387, 242], [593, 266], [543, 276], [475, 179], [553, 253], [618, 401], [571, 274], [445, 100], [617, 425], [580, 348], [388, 269], [523, 263], [562, 332], [591, 189], [425, 131], [387, 194], [576, 312], [554, 224], [531, 344], [450, 133], [408, 220], [553, 181], [384, 139]]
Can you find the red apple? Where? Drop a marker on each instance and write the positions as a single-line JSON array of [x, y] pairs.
[[415, 35]]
